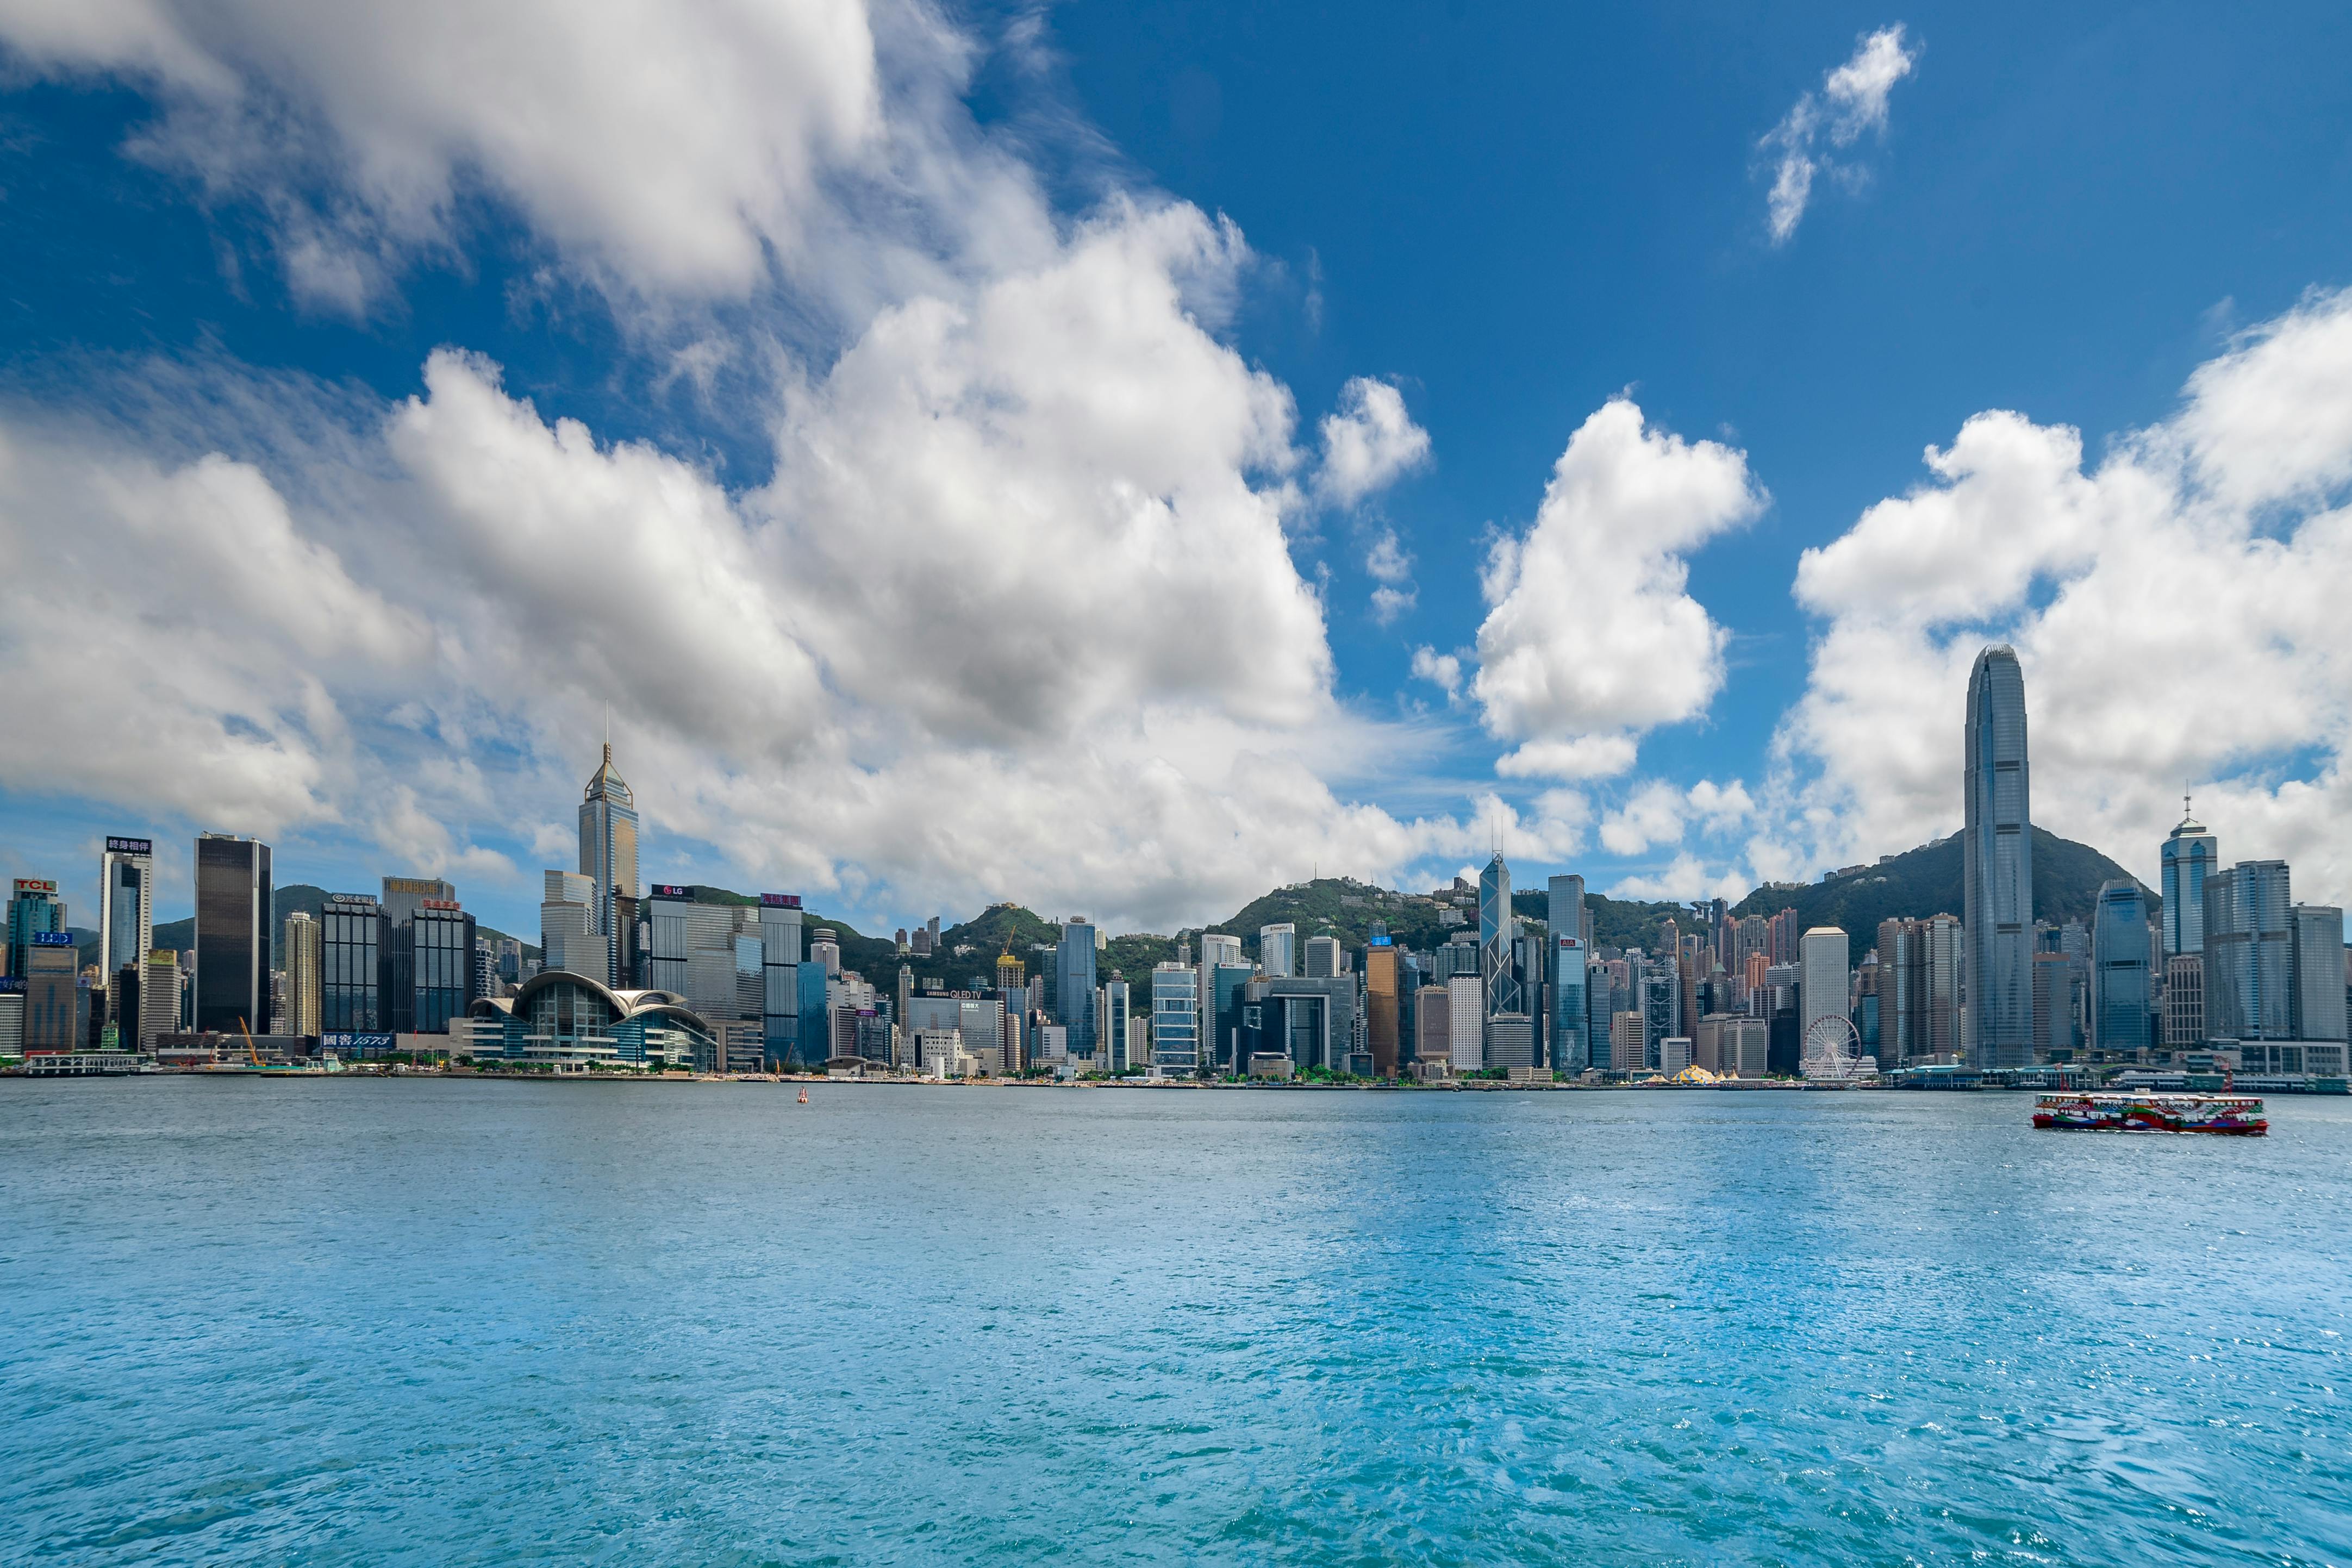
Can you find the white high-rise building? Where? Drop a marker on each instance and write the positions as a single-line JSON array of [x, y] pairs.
[[1465, 1020], [1823, 978], [568, 937], [1277, 950]]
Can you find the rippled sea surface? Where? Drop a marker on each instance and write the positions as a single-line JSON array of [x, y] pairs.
[[446, 1323]]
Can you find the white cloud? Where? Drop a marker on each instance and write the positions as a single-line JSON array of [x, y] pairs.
[[1685, 880], [1010, 618], [1661, 813], [1369, 443], [679, 152], [1850, 102], [1590, 640], [1388, 564], [2177, 608], [1443, 670]]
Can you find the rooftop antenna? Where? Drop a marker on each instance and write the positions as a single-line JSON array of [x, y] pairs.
[[608, 732]]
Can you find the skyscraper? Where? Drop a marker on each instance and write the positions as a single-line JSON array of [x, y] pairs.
[[2248, 955], [1826, 974], [1381, 1004], [126, 910], [2190, 855], [1497, 927], [1323, 958], [780, 961], [235, 901], [34, 910], [303, 955], [568, 937], [1996, 865], [608, 855], [351, 995], [2318, 954], [2122, 976], [1571, 1022], [1175, 1016], [1277, 950], [1074, 986]]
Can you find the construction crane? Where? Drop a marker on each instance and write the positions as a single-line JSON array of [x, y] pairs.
[[251, 1055]]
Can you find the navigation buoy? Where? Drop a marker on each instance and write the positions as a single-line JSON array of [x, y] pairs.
[[804, 1093]]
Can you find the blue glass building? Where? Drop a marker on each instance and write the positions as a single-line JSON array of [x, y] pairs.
[[2122, 971], [1074, 986], [1996, 865], [2190, 855]]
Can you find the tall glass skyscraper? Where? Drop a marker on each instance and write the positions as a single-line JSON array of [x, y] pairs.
[[1496, 929], [608, 853], [2122, 980], [1572, 1037], [235, 929], [1997, 861], [126, 913], [2249, 953], [1074, 986], [2190, 855]]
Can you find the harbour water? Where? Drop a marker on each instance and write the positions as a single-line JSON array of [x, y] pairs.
[[438, 1323]]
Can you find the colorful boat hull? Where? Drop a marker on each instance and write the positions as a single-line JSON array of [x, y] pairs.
[[2227, 1115]]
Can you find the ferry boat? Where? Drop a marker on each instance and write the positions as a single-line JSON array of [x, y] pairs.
[[2237, 1115]]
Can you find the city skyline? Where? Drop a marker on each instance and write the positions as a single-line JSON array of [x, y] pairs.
[[1047, 484]]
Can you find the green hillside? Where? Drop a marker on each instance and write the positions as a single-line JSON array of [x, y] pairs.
[[1928, 881]]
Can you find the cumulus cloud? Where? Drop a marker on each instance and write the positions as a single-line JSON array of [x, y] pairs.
[[1813, 138], [1011, 617], [2176, 608], [1661, 813], [1591, 639], [1369, 443], [679, 151], [1012, 614]]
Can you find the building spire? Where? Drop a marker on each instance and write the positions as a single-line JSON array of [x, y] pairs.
[[608, 734]]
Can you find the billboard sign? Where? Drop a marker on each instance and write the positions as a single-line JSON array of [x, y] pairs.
[[356, 1043], [11, 985], [781, 900], [33, 884], [131, 846], [53, 939], [355, 900], [1569, 944], [671, 890]]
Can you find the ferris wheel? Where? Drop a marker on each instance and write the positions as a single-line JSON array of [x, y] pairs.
[[1833, 1049]]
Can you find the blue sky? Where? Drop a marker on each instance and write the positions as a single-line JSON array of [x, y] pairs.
[[228, 261]]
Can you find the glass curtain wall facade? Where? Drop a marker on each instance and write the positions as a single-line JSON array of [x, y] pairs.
[[2123, 991], [1996, 864], [350, 974], [1497, 927], [1074, 986], [2318, 957], [428, 970], [1175, 1018], [2190, 855], [608, 853], [2248, 960], [780, 958], [234, 900], [126, 910]]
